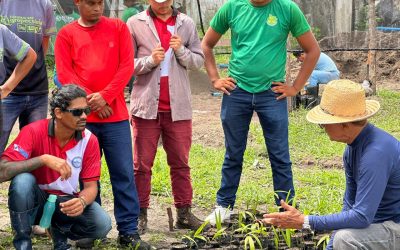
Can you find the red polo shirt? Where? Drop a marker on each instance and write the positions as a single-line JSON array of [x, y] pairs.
[[81, 153]]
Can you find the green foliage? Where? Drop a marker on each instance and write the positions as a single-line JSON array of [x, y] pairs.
[[324, 241]]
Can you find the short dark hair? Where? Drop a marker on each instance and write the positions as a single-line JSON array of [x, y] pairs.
[[62, 97], [298, 53]]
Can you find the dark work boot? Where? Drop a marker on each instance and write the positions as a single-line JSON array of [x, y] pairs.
[[133, 241], [142, 224], [185, 219]]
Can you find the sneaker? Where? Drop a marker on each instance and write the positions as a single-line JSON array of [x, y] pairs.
[[133, 240], [185, 219], [142, 223], [224, 212]]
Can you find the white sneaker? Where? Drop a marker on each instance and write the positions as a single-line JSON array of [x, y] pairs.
[[224, 212]]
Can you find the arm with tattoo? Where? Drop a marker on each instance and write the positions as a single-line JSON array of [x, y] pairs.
[[9, 169]]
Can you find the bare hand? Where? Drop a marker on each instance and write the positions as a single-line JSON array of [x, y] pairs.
[[175, 42], [4, 92], [158, 54], [105, 112], [73, 207], [57, 164], [286, 90], [96, 101], [291, 218], [225, 84]]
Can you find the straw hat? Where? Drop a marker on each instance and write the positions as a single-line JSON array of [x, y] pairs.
[[342, 101]]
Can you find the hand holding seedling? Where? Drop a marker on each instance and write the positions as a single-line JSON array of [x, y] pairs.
[[73, 207], [284, 89], [224, 84], [291, 218]]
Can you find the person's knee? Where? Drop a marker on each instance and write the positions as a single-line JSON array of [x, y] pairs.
[[21, 189], [342, 239], [102, 223], [22, 184]]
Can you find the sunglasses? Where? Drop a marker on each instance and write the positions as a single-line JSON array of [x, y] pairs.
[[78, 112]]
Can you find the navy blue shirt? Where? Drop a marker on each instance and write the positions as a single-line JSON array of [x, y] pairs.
[[372, 167]]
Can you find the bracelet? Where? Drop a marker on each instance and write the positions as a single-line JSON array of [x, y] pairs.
[[83, 202]]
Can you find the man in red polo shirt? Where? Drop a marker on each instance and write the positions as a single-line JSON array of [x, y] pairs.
[[51, 156]]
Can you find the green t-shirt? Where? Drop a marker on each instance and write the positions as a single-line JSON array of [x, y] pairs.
[[128, 12], [258, 39]]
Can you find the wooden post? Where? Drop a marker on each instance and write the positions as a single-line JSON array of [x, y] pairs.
[[291, 101], [372, 45]]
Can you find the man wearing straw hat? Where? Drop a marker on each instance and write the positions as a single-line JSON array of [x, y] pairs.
[[370, 218]]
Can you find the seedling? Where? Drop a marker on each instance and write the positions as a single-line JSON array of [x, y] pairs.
[[249, 241], [324, 240]]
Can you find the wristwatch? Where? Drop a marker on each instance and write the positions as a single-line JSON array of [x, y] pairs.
[[306, 224]]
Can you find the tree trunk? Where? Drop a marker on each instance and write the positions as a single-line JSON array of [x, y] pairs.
[[372, 45]]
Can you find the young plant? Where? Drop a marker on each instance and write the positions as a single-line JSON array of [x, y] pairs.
[[324, 240], [197, 235], [276, 236], [287, 236], [243, 215], [249, 242], [218, 224]]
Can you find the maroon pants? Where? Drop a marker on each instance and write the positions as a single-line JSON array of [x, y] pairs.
[[177, 139]]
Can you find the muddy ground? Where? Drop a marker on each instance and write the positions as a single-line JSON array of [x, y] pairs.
[[207, 131]]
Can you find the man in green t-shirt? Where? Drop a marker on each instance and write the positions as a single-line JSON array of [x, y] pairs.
[[256, 82]]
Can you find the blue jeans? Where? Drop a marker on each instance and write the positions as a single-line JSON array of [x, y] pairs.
[[28, 109], [318, 76], [26, 201], [116, 143], [236, 112]]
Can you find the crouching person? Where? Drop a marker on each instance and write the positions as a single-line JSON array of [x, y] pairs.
[[370, 218], [50, 156]]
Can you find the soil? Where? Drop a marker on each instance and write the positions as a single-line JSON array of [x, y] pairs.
[[207, 131]]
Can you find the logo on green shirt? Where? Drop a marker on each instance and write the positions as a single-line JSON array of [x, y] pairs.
[[272, 20]]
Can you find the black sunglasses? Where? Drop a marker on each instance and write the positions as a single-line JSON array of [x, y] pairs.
[[78, 112]]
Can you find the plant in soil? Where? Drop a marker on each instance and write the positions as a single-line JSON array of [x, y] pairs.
[[249, 241], [323, 242], [193, 240]]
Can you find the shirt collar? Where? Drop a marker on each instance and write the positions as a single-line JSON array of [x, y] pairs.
[[51, 130]]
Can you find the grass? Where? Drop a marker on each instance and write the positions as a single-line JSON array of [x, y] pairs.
[[319, 189]]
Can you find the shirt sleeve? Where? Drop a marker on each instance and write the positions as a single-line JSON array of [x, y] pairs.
[[50, 20], [220, 22], [21, 148], [298, 22], [371, 185], [14, 46], [351, 187], [91, 167]]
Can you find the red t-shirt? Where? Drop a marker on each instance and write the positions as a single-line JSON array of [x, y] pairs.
[[165, 30], [81, 154], [99, 59]]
